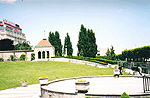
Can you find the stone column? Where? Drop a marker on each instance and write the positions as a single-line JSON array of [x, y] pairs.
[[45, 54]]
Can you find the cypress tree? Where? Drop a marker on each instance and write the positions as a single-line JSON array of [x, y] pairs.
[[58, 45], [68, 45], [81, 41], [87, 42], [56, 42]]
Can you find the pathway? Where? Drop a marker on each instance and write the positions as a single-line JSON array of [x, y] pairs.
[[31, 91]]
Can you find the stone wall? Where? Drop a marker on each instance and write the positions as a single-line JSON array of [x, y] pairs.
[[6, 54]]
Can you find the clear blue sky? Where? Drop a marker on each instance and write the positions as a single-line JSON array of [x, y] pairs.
[[125, 24]]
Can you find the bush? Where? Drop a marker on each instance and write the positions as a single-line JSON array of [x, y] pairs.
[[125, 95], [144, 70], [13, 57], [23, 57], [125, 64], [32, 56], [1, 59], [138, 64], [134, 68]]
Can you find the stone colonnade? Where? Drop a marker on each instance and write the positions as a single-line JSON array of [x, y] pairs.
[[44, 53]]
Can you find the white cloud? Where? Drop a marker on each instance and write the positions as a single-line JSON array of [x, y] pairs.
[[120, 10], [8, 1]]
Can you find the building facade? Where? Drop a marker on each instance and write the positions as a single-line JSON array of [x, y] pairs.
[[44, 50], [12, 31]]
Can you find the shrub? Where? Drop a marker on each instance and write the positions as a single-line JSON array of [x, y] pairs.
[[13, 57], [23, 57], [138, 64], [144, 70], [134, 68], [125, 64], [32, 56], [125, 95], [1, 59]]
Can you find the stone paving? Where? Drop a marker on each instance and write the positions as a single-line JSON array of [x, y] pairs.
[[31, 91], [103, 85]]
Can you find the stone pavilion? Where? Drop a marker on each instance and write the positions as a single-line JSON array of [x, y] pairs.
[[44, 50]]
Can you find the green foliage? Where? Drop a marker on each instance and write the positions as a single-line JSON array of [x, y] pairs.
[[32, 56], [87, 43], [57, 54], [1, 59], [137, 54], [13, 57], [125, 64], [6, 44], [144, 70], [43, 54], [68, 45], [56, 42], [125, 95], [138, 64], [23, 57], [110, 53], [22, 46]]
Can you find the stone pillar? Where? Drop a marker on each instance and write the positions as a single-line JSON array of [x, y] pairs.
[[45, 54]]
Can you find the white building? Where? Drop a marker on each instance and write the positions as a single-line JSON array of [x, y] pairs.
[[12, 31], [44, 50]]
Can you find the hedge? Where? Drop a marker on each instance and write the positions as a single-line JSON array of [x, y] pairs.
[[1, 59]]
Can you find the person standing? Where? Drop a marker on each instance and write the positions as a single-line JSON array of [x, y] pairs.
[[140, 70], [120, 69]]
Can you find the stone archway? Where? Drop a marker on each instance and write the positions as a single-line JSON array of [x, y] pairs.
[[39, 55]]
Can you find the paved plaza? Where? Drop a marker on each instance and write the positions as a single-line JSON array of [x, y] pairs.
[[98, 85], [103, 85]]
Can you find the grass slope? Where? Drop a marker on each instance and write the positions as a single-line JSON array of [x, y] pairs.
[[12, 73]]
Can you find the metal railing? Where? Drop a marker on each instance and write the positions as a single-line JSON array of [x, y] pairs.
[[146, 83]]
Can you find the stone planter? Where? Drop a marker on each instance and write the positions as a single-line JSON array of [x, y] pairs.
[[43, 80], [24, 84], [82, 87], [116, 73]]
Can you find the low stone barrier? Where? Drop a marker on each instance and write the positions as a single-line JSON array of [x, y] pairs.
[[46, 93]]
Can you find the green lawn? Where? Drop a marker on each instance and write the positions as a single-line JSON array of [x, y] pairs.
[[12, 73]]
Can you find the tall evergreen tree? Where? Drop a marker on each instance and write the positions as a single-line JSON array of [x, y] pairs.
[[87, 42], [51, 38], [56, 42], [68, 45], [58, 45], [112, 52], [92, 47], [81, 41]]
